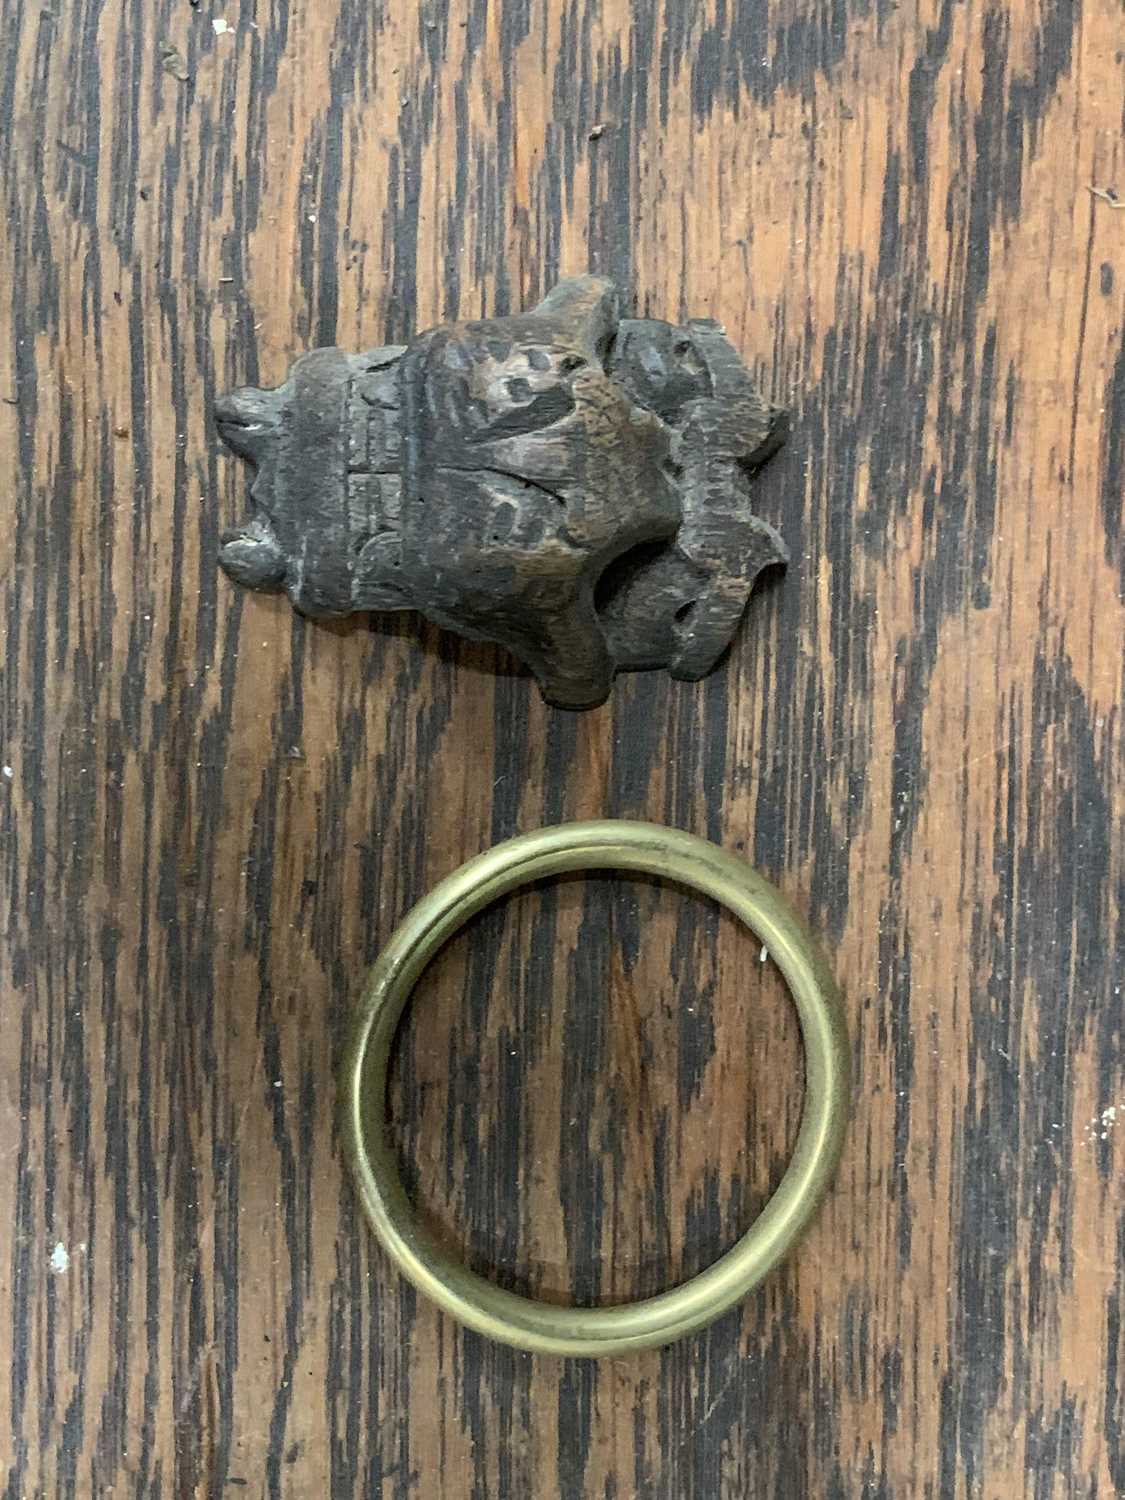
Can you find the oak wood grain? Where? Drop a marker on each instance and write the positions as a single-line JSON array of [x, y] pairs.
[[211, 815]]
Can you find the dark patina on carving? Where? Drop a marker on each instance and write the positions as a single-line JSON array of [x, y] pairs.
[[569, 483]]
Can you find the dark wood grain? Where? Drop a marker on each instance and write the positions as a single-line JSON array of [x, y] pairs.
[[212, 815]]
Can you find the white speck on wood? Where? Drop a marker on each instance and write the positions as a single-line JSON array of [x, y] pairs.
[[220, 26], [60, 1259], [764, 955]]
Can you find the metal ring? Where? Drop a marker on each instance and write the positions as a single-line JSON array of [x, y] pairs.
[[648, 849]]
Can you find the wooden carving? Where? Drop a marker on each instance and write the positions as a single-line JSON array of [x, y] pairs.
[[569, 483]]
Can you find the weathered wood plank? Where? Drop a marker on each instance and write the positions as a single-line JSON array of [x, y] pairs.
[[214, 814]]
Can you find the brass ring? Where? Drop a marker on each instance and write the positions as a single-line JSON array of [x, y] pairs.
[[648, 849]]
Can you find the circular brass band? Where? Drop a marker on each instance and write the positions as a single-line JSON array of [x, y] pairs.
[[605, 845]]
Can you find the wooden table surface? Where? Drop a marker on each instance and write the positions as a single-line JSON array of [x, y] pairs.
[[211, 814]]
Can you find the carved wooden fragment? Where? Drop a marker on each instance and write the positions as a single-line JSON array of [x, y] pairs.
[[568, 483]]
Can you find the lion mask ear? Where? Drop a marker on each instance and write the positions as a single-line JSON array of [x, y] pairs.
[[247, 420], [587, 309], [252, 557]]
